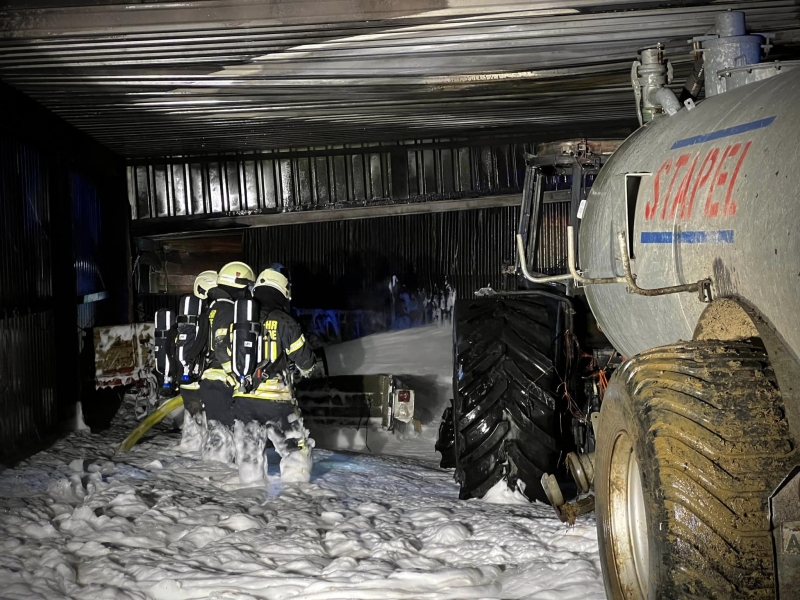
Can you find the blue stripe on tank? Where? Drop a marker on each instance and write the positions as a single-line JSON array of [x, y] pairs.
[[722, 236], [723, 133]]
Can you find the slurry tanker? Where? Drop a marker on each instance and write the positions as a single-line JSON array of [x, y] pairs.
[[697, 217], [684, 242]]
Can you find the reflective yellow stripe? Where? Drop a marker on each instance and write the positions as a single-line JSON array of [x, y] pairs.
[[214, 375], [297, 345], [272, 389], [211, 316], [226, 366], [273, 384], [190, 386], [273, 351], [267, 396]]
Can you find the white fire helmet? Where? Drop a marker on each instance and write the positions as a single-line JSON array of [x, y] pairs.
[[275, 279]]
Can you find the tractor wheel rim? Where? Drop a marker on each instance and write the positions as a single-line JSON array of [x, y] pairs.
[[628, 520]]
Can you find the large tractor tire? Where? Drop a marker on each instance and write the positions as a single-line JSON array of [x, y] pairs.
[[446, 442], [505, 418], [692, 441]]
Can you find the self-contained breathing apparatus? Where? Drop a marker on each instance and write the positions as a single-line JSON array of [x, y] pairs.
[[166, 369], [250, 364], [180, 342], [246, 342], [186, 344], [190, 338]]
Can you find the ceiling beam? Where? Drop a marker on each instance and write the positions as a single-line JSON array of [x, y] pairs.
[[184, 227]]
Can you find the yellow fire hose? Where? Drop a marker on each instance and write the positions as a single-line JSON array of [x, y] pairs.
[[155, 417]]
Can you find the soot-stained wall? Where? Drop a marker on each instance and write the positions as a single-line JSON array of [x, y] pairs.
[[389, 272], [63, 267]]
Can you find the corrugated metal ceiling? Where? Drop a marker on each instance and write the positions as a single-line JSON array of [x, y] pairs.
[[209, 76]]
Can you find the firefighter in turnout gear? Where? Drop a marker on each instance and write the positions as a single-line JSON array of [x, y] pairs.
[[217, 383], [196, 350], [283, 336], [244, 396], [270, 394]]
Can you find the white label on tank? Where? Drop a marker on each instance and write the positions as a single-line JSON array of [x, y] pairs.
[[791, 537], [248, 344], [581, 208], [182, 337]]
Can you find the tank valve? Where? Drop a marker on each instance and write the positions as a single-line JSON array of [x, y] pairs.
[[649, 77]]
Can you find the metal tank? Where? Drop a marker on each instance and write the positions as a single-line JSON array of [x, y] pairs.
[[711, 193]]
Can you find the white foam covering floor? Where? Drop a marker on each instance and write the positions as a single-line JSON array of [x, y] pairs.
[[76, 522]]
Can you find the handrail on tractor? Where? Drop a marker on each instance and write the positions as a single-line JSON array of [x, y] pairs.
[[702, 287]]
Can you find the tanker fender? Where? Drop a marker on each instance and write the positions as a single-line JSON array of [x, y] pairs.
[[734, 319]]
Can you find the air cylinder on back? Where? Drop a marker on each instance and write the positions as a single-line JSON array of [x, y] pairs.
[[246, 342], [164, 330]]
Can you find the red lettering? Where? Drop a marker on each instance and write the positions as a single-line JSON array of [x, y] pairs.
[[720, 178], [651, 207], [682, 161], [730, 204], [683, 190], [710, 160]]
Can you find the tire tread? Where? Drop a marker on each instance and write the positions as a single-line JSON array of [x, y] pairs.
[[714, 422], [504, 406]]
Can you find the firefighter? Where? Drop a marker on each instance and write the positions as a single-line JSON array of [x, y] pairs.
[[203, 284], [216, 383], [272, 397]]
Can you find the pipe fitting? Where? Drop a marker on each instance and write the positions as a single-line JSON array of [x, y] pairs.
[[648, 75], [701, 287], [666, 98]]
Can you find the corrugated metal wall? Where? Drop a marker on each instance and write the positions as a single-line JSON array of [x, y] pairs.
[[63, 223], [27, 379], [551, 246], [86, 223], [324, 178], [350, 264], [27, 332], [87, 228], [342, 271], [25, 272], [346, 267]]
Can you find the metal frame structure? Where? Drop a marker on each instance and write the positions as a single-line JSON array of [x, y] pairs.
[[195, 77]]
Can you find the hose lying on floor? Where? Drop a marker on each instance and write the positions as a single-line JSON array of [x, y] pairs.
[[154, 418]]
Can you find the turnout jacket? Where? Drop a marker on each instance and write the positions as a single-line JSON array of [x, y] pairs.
[[283, 335]]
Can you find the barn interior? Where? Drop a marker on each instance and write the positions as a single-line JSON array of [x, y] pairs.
[[376, 149], [359, 143]]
